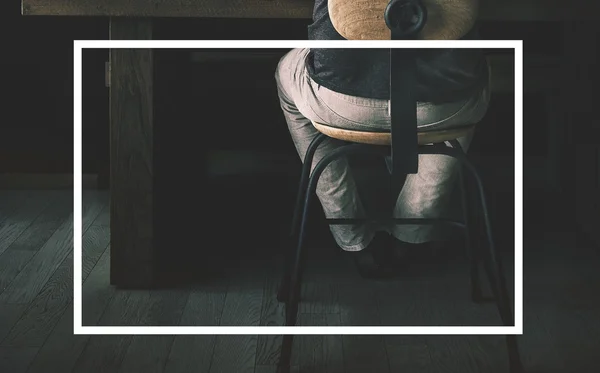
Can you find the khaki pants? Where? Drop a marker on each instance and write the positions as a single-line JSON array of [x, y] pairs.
[[424, 194]]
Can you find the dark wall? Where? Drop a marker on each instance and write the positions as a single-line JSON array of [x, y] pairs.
[[37, 124], [37, 107]]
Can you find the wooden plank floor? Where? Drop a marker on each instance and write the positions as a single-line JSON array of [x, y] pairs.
[[562, 307]]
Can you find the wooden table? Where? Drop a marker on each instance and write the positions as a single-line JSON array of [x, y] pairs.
[[133, 117]]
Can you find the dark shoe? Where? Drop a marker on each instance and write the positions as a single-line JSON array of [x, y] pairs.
[[375, 261], [400, 253]]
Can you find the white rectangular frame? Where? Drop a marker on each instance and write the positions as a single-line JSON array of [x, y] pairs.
[[517, 329]]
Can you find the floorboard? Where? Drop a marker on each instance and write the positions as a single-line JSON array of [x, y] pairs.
[[44, 312], [95, 242], [561, 325], [25, 247], [156, 307], [242, 307], [97, 293], [18, 220], [359, 306], [16, 359], [9, 315], [319, 353], [194, 352], [40, 268], [11, 200], [62, 348], [272, 314], [147, 354]]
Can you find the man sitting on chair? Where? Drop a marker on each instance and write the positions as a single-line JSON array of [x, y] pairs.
[[349, 88]]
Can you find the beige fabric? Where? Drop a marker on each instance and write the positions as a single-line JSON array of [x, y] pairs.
[[425, 194]]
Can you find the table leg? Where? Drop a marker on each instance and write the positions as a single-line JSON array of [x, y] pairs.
[[133, 263]]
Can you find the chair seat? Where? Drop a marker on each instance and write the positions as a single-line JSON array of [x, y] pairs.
[[385, 138]]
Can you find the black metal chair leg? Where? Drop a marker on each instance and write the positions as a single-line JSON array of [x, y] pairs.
[[304, 179], [476, 294], [297, 261], [285, 359], [507, 319], [497, 282], [495, 275], [303, 185], [282, 292], [296, 268], [514, 357], [471, 242], [294, 285], [492, 263]]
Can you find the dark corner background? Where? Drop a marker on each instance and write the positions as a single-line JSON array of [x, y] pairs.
[[37, 65], [37, 128]]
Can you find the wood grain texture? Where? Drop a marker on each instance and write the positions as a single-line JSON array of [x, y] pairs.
[[12, 263], [95, 242], [359, 306], [494, 10], [130, 308], [28, 283], [385, 138], [268, 347], [40, 230], [131, 128], [364, 19], [265, 369], [159, 308], [147, 353], [16, 360], [37, 320], [9, 315], [97, 291], [318, 353], [179, 8], [408, 354], [10, 201], [242, 307], [191, 353], [104, 218], [319, 293], [62, 348], [561, 326], [194, 352], [103, 354], [45, 311], [135, 308], [19, 220]]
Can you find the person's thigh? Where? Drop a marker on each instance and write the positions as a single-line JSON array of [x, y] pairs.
[[319, 104], [337, 109], [361, 113], [293, 84]]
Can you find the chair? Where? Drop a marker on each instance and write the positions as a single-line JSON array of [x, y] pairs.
[[403, 143]]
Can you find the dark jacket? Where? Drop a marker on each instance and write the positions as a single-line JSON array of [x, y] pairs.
[[443, 75]]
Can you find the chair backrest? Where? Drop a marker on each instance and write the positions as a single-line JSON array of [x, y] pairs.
[[363, 19], [397, 20]]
